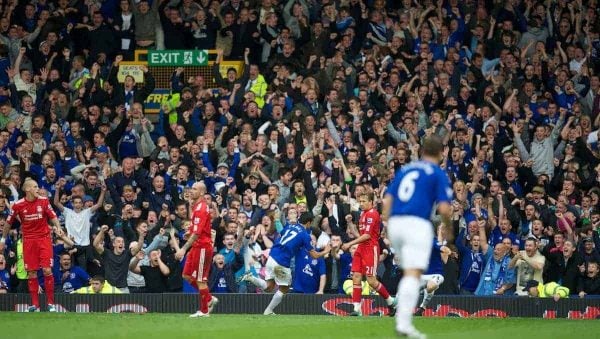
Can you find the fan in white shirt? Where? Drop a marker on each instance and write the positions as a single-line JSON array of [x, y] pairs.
[[77, 220]]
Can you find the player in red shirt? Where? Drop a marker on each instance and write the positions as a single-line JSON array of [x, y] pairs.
[[199, 259], [366, 257], [33, 213]]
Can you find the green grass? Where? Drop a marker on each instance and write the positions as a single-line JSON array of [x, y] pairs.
[[165, 326]]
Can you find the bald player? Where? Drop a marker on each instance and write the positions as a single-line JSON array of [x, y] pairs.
[[199, 258]]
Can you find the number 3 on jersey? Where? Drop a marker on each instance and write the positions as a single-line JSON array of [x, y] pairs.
[[288, 235], [407, 186]]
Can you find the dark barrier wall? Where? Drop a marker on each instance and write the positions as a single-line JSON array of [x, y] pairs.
[[442, 306]]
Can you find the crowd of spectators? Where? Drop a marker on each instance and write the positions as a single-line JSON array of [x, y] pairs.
[[334, 97]]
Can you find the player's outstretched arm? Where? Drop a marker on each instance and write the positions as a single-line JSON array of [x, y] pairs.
[[315, 255], [361, 239]]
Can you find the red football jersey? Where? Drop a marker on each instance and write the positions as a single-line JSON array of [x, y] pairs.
[[369, 223], [201, 224], [33, 216]]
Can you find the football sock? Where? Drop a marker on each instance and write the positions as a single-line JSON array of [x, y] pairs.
[[34, 286], [356, 297], [426, 298], [204, 299], [384, 294], [49, 288], [408, 295], [277, 297], [258, 282]]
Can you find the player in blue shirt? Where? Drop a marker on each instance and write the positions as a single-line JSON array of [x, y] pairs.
[[408, 204], [434, 276], [294, 238]]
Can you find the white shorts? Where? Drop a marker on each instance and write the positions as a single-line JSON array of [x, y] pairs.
[[412, 240], [438, 279], [273, 271]]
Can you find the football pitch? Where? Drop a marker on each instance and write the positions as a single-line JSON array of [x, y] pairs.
[[155, 325]]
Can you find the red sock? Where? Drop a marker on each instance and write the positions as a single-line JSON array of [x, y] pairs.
[[34, 287], [383, 291], [204, 299], [49, 288], [356, 292]]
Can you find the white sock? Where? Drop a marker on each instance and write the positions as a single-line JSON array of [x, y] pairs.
[[426, 298], [356, 307], [258, 282], [277, 297], [389, 301], [408, 295]]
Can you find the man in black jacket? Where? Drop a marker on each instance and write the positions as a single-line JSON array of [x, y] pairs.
[[337, 264], [231, 78], [127, 93], [590, 283], [565, 267], [101, 37]]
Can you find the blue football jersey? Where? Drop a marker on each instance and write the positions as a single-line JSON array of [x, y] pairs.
[[417, 187], [293, 238], [436, 265]]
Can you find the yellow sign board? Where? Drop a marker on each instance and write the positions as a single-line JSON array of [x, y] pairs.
[[133, 69], [225, 65]]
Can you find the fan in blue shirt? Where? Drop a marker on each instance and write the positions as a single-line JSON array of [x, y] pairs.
[[309, 274], [71, 277]]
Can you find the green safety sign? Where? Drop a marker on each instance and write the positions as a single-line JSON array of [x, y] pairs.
[[196, 57]]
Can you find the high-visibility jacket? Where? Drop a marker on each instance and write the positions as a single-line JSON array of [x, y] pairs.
[[106, 289], [550, 289]]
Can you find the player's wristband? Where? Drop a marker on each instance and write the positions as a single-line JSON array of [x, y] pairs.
[[2, 240]]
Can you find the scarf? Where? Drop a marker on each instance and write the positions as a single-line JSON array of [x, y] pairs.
[[379, 31], [501, 273]]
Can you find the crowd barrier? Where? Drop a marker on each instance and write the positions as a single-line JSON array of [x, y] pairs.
[[338, 305]]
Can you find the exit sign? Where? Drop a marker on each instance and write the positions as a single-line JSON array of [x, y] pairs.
[[178, 57]]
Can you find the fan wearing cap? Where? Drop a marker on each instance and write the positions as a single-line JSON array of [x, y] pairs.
[[295, 237], [255, 184], [550, 290], [221, 177]]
